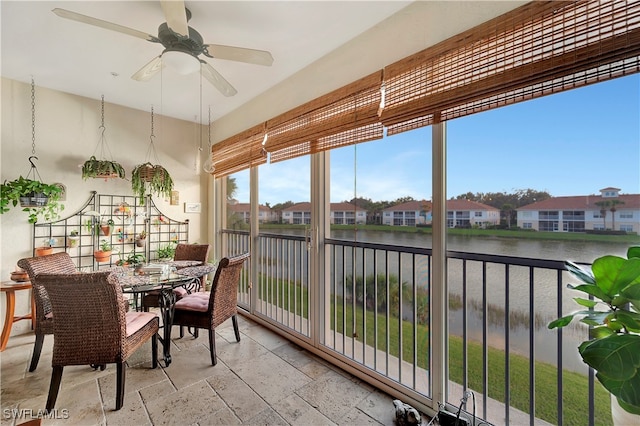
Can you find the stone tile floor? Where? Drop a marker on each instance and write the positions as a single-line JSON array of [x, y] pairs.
[[262, 380]]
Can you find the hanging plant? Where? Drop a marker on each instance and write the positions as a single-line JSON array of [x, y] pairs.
[[151, 179], [147, 178], [102, 168], [36, 198]]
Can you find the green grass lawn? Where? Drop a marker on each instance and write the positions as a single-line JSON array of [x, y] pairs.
[[575, 395], [385, 335]]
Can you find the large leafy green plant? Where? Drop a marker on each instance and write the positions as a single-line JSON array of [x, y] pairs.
[[613, 313], [42, 199]]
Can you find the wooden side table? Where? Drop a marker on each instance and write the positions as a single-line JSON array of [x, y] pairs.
[[10, 288]]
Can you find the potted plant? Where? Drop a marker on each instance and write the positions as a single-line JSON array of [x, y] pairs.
[[141, 238], [102, 169], [36, 198], [166, 252], [46, 248], [106, 225], [613, 313], [133, 259], [104, 253], [73, 239], [152, 179]]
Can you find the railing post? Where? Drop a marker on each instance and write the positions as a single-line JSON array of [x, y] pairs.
[[439, 318]]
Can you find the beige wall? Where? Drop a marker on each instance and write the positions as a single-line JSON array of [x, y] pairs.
[[67, 135]]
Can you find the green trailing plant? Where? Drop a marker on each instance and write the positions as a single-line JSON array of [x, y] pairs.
[[613, 313], [105, 169], [152, 179], [39, 200]]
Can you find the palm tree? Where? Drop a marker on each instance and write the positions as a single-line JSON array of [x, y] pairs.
[[613, 210], [604, 205]]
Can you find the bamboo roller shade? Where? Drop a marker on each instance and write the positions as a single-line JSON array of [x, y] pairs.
[[540, 48], [535, 50], [239, 152]]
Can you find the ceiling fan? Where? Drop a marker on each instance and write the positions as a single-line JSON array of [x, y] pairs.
[[182, 46]]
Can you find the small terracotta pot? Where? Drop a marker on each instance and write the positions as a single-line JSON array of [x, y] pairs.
[[140, 242], [106, 230], [43, 251], [102, 256]]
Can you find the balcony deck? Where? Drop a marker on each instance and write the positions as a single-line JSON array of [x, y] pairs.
[[263, 379]]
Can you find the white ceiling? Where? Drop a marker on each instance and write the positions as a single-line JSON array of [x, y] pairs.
[[89, 61]]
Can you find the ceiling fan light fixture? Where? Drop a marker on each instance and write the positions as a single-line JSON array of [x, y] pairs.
[[182, 62]]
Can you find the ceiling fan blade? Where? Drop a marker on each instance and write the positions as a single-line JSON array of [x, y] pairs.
[[63, 13], [216, 79], [149, 70], [239, 54], [176, 16]]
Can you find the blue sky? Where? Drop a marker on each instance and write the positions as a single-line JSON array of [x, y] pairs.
[[573, 143]]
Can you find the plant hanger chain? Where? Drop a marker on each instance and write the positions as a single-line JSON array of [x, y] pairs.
[[33, 171], [152, 149], [105, 152]]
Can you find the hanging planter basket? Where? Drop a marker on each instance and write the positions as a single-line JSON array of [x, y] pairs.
[[147, 178], [151, 179], [34, 200], [102, 169], [149, 173]]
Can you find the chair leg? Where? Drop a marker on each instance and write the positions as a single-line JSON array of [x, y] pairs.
[[54, 387], [181, 332], [212, 346], [236, 330], [154, 351], [37, 350], [120, 371]]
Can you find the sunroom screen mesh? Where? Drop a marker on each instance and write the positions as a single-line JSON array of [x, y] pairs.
[[342, 117], [532, 51], [239, 152]]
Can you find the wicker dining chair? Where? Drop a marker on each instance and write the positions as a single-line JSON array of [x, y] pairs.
[[198, 252], [57, 263], [207, 310], [97, 333]]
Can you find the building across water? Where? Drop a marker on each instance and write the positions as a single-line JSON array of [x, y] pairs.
[[583, 213]]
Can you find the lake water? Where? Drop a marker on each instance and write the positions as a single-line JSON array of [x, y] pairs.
[[519, 291]]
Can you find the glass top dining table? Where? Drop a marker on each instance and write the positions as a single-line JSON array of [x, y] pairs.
[[183, 273]]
